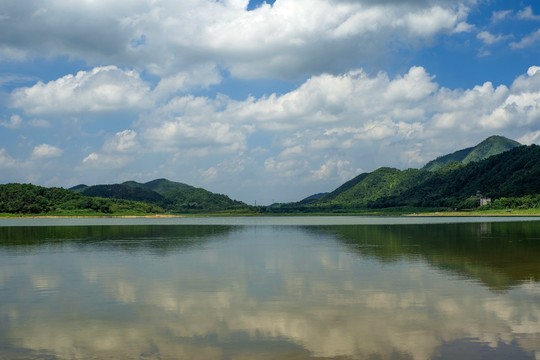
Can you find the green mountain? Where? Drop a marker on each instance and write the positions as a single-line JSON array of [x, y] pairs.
[[121, 191], [514, 173], [493, 145], [33, 199], [496, 168], [172, 196], [367, 188]]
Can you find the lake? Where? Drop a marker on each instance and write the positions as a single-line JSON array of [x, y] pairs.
[[270, 288]]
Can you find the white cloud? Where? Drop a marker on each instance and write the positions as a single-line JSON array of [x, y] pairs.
[[322, 132], [528, 14], [183, 81], [533, 70], [335, 168], [209, 174], [500, 15], [14, 122], [521, 106], [530, 138], [116, 153], [103, 89], [14, 79], [123, 141], [6, 161], [185, 134], [490, 39], [289, 39], [527, 41], [434, 20], [92, 157], [332, 125], [45, 151], [104, 161], [413, 86]]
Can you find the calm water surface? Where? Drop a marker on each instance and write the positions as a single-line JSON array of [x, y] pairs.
[[267, 288]]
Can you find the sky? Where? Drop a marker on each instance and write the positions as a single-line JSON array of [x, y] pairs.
[[261, 101]]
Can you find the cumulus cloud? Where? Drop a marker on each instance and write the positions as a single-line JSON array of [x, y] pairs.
[[102, 89], [533, 70], [203, 76], [117, 152], [331, 126], [289, 38], [435, 19], [123, 141], [45, 151]]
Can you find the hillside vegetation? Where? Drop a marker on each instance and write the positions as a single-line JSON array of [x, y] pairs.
[[497, 168], [129, 198], [172, 196], [32, 199], [493, 145]]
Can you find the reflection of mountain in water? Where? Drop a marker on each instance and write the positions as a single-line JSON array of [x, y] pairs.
[[158, 238], [252, 292], [500, 255]]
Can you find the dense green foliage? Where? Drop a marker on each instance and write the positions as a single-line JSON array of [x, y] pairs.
[[119, 191], [32, 199], [514, 173], [172, 196], [511, 179], [380, 184], [523, 202], [493, 145]]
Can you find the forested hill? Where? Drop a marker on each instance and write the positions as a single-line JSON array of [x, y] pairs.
[[33, 199], [172, 196], [129, 198], [514, 173], [493, 145]]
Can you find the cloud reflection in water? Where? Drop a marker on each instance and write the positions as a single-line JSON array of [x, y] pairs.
[[250, 292]]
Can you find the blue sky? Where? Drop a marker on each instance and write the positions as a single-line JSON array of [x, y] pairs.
[[259, 101]]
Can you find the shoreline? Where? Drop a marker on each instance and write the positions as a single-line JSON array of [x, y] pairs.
[[9, 216], [497, 213]]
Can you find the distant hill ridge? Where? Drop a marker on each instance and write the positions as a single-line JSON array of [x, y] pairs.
[[493, 145], [171, 195], [496, 167]]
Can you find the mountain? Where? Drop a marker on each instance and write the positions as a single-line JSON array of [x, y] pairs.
[[312, 198], [455, 180], [33, 199], [381, 183], [172, 196], [78, 188], [125, 192], [493, 145], [514, 173], [510, 177]]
